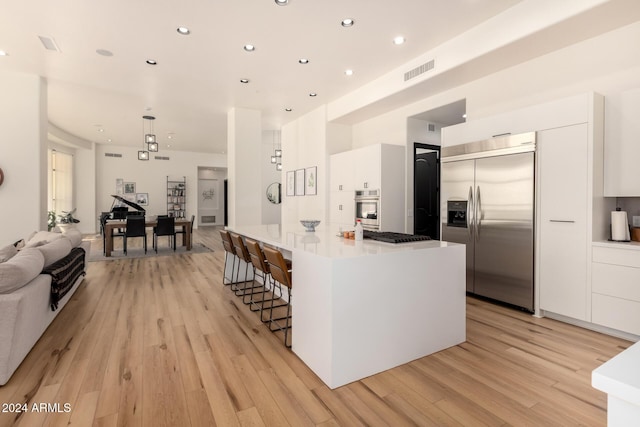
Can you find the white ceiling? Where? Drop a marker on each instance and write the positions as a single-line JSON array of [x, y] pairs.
[[197, 78]]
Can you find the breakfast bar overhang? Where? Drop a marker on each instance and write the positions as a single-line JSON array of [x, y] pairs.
[[362, 307]]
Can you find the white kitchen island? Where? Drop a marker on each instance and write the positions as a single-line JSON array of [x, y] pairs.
[[360, 308]]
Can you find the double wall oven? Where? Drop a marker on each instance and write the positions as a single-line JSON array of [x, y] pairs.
[[368, 208]]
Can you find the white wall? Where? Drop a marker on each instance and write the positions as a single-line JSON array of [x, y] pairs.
[[23, 155], [606, 64], [270, 141], [150, 176]]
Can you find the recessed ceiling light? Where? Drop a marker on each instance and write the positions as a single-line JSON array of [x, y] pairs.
[[244, 80], [303, 60], [183, 30], [100, 130], [3, 53], [104, 52], [312, 94], [464, 116], [348, 72], [109, 140], [282, 2], [249, 47], [152, 62], [288, 110], [399, 40], [347, 22]]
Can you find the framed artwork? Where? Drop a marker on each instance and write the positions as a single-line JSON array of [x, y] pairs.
[[300, 182], [119, 186], [129, 188], [142, 199], [310, 181], [291, 183]]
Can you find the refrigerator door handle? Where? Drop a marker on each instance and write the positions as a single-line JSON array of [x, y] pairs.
[[469, 213], [478, 215]]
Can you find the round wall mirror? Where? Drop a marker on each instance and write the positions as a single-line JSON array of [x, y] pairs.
[[273, 193]]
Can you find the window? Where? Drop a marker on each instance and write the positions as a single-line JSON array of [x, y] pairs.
[[60, 188]]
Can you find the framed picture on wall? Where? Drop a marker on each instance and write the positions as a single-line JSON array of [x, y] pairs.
[[291, 183], [310, 181], [129, 188], [300, 182], [142, 199]]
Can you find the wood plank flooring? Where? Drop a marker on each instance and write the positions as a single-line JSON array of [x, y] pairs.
[[161, 342]]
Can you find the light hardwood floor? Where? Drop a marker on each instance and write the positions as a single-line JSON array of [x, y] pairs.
[[161, 342]]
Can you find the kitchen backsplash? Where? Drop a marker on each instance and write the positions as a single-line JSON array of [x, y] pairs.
[[629, 204]]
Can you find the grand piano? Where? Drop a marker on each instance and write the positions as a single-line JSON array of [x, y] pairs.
[[121, 212]]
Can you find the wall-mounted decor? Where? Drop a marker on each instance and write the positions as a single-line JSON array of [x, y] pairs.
[[119, 186], [142, 199], [1, 177], [311, 181], [291, 183], [129, 188], [300, 182]]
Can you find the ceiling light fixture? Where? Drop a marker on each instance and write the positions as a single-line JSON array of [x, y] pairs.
[[3, 53], [183, 31], [348, 72], [312, 94], [303, 60], [149, 139], [348, 22], [244, 80], [282, 2], [249, 47], [152, 62], [288, 110], [399, 40]]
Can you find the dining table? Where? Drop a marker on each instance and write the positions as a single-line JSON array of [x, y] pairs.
[[150, 222]]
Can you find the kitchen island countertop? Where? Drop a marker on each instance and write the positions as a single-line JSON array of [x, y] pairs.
[[362, 307]]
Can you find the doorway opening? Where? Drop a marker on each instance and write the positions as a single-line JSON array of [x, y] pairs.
[[426, 190]]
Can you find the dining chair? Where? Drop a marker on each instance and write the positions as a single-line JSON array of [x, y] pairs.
[[136, 227], [181, 230], [166, 227]]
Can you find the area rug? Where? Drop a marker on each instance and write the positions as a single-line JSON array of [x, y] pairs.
[[138, 252]]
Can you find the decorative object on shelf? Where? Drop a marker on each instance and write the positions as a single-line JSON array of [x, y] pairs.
[[176, 197], [129, 188], [142, 199], [310, 181], [300, 182], [277, 151], [291, 183], [310, 224]]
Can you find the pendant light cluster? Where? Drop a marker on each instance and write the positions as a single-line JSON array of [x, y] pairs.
[[276, 158], [149, 139]]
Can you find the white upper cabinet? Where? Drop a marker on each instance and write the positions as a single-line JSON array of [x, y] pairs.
[[341, 171], [368, 164], [622, 144]]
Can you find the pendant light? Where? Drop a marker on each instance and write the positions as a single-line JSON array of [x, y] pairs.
[[150, 138], [144, 153]]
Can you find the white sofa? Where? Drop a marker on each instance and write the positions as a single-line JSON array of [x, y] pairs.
[[25, 293]]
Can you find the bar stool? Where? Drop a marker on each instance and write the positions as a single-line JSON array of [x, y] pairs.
[[282, 275], [228, 250], [243, 254], [261, 268]]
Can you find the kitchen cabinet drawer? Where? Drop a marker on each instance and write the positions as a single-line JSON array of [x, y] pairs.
[[617, 256], [616, 313], [616, 281]]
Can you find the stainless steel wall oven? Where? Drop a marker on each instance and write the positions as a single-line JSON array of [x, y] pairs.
[[368, 208]]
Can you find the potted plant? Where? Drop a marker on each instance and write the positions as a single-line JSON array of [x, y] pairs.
[[66, 220], [51, 220]]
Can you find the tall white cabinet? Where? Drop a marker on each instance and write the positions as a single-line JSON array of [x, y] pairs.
[[377, 166]]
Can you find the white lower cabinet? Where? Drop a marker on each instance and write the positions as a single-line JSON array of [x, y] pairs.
[[616, 288]]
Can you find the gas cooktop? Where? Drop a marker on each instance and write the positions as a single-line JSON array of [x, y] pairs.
[[390, 237]]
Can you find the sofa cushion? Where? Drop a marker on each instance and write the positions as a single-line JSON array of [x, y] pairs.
[[42, 237], [20, 269], [55, 250], [74, 235], [7, 252]]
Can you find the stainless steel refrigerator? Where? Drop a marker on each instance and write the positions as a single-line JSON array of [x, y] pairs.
[[488, 204]]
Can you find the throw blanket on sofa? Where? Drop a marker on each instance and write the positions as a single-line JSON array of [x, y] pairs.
[[64, 274]]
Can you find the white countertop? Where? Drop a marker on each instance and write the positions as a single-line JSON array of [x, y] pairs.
[[618, 245], [620, 376], [325, 241]]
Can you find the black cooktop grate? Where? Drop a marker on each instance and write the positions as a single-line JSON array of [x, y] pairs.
[[390, 237]]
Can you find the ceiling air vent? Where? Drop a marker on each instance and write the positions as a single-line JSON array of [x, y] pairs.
[[161, 158], [49, 43], [112, 155], [431, 127], [419, 70]]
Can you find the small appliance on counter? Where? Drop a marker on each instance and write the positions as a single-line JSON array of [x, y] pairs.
[[619, 226]]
